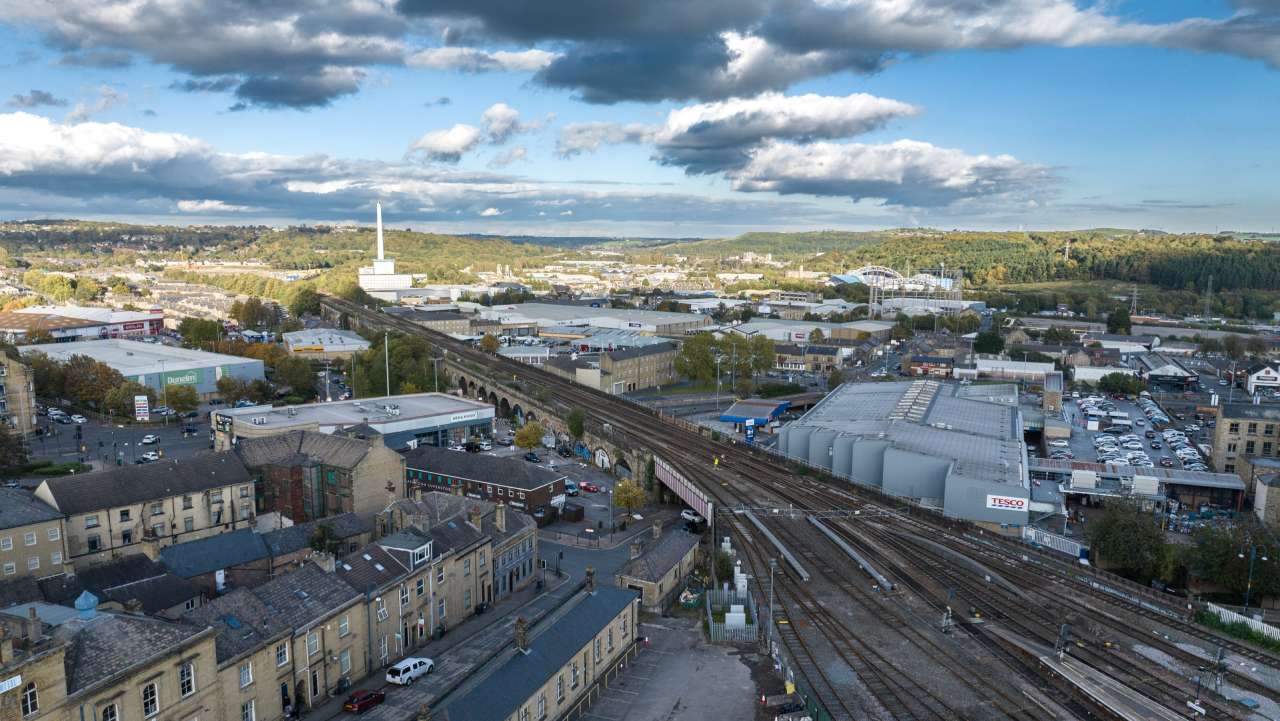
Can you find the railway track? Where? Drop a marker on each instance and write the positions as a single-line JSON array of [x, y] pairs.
[[748, 477]]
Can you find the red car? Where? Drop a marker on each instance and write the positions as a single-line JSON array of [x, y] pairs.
[[589, 487], [362, 701]]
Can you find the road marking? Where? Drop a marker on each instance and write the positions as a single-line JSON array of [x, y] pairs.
[[623, 690]]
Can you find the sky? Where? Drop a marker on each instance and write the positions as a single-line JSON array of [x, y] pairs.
[[659, 118]]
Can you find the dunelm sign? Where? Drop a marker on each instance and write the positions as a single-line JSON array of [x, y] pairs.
[[182, 378]]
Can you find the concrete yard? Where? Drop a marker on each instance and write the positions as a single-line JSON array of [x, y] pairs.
[[679, 678]]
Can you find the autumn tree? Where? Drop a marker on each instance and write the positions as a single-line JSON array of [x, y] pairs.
[[530, 435], [628, 494], [232, 389], [181, 398], [489, 343]]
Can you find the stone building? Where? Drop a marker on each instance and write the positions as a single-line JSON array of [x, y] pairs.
[[17, 393], [32, 536], [657, 569], [620, 371], [112, 513], [307, 475], [252, 651]]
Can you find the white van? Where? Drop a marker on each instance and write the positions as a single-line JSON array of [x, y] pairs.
[[408, 670]]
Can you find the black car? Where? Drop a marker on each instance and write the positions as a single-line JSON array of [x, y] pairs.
[[472, 447], [532, 457], [564, 452]]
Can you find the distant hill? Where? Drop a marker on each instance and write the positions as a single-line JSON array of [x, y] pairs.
[[584, 241]]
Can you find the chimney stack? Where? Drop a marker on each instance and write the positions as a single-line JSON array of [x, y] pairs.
[[6, 645], [590, 580], [636, 548], [500, 517], [522, 635], [381, 254], [657, 530], [134, 606], [473, 517], [326, 561]]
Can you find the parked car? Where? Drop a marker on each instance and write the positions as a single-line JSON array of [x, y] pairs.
[[63, 419], [486, 445], [55, 411], [690, 515], [503, 441], [457, 447], [410, 669], [362, 701], [1155, 445], [77, 418], [191, 414], [532, 457], [150, 439], [571, 488], [589, 487], [150, 456], [472, 447], [1060, 443], [1166, 462]]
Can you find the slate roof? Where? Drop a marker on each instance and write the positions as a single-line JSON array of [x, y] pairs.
[[128, 485], [659, 557], [305, 595], [131, 577], [437, 509], [640, 351], [511, 472], [370, 568], [242, 621], [23, 589], [518, 678], [206, 555], [301, 448], [109, 643], [20, 507], [284, 541]]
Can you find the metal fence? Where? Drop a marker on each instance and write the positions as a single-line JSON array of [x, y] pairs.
[[719, 600], [1254, 624]]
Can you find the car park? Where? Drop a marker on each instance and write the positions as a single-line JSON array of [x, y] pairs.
[[1166, 462], [410, 669], [362, 701], [1155, 445]]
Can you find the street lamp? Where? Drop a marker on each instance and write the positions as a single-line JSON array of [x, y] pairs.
[[718, 358], [1253, 556]]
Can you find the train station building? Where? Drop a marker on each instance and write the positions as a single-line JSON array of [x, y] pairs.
[[958, 448]]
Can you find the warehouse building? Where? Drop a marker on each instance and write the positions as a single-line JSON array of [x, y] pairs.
[[325, 343], [1164, 369], [155, 366], [953, 447], [402, 421], [551, 315], [799, 331], [111, 323]]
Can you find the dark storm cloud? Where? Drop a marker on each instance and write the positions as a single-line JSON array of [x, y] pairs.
[[36, 99]]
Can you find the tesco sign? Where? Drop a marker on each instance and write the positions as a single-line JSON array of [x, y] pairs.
[[1006, 503]]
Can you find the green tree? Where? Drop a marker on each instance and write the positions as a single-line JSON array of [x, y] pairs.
[[305, 302], [530, 436], [1118, 321], [1128, 539], [697, 358], [87, 290], [835, 379], [628, 494], [181, 398], [988, 342], [763, 355], [232, 390], [1121, 383], [489, 343], [118, 401], [1217, 558], [325, 540], [1209, 345], [577, 421], [1233, 346], [816, 336], [298, 375], [197, 331], [1256, 347]]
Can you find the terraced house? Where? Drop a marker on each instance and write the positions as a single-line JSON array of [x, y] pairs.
[[112, 513], [32, 536]]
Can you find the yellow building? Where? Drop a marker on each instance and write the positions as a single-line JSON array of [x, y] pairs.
[[254, 658], [17, 393], [113, 513], [32, 536]]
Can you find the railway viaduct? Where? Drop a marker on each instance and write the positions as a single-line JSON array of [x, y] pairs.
[[522, 400]]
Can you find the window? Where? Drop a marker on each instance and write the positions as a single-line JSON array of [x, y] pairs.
[[111, 713], [595, 649], [609, 641], [95, 543], [126, 536], [282, 653], [1266, 448], [419, 557], [1253, 428], [573, 674], [150, 700], [157, 530], [524, 713], [344, 661], [1233, 428], [6, 543], [440, 609], [157, 509], [91, 521], [246, 673], [1269, 429], [522, 495], [1231, 448], [10, 568], [188, 524], [244, 491], [186, 503], [313, 643], [30, 699], [246, 512], [466, 600], [466, 566], [1229, 468], [33, 563], [382, 647], [29, 539], [216, 517], [439, 574], [124, 515], [382, 609], [1248, 447], [344, 625], [247, 711], [482, 559], [404, 594], [190, 605], [215, 497], [542, 705], [624, 626], [54, 534], [422, 586], [187, 679]]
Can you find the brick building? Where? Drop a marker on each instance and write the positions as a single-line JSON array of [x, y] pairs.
[[519, 484]]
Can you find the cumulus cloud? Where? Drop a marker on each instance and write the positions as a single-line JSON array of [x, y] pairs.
[[108, 97], [501, 122], [490, 213], [576, 138], [514, 154], [36, 99], [475, 60], [448, 146], [112, 169], [905, 172]]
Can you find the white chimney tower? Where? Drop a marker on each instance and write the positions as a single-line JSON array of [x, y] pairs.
[[381, 254]]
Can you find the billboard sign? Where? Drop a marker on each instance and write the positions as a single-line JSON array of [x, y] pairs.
[[182, 378], [142, 408], [1006, 503]]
